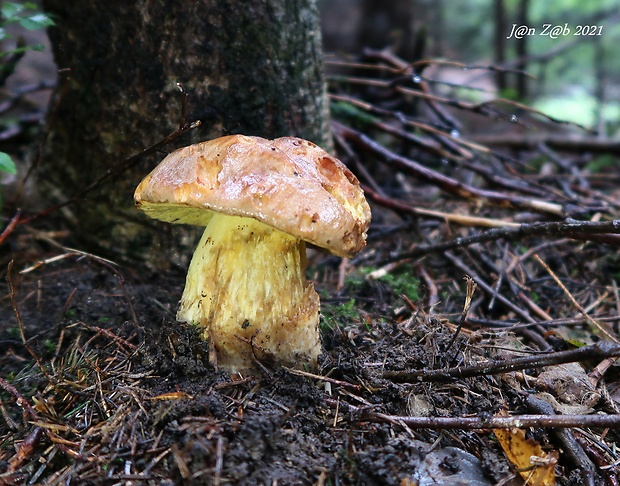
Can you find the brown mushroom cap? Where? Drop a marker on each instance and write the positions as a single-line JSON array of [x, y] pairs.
[[287, 183]]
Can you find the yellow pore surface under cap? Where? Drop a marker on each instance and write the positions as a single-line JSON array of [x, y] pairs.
[[247, 280]]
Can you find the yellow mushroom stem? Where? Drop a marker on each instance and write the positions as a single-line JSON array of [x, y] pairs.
[[247, 280]]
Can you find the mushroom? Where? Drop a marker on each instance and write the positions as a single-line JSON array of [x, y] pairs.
[[260, 201]]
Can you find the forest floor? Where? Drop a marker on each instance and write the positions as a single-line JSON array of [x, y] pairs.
[[472, 342], [122, 393]]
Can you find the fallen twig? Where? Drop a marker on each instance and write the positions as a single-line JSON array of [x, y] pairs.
[[447, 184], [593, 351], [20, 323], [19, 399], [344, 384], [462, 219], [532, 336], [11, 226], [570, 447], [573, 228], [512, 326], [559, 142], [477, 423], [573, 300]]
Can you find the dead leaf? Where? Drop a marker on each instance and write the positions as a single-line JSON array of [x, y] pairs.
[[535, 465]]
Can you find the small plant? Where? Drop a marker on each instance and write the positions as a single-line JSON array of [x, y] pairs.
[[401, 281], [336, 315], [7, 166], [27, 16], [49, 345]]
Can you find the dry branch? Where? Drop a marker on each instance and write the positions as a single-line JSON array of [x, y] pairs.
[[559, 142], [461, 219], [602, 231], [447, 184], [570, 446], [477, 423], [594, 351]]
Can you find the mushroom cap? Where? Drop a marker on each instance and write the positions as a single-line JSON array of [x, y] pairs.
[[287, 183]]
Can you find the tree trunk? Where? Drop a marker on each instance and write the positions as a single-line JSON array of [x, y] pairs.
[[500, 43], [248, 67], [522, 51], [389, 24]]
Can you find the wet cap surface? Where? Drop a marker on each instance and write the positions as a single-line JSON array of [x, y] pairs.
[[288, 183]]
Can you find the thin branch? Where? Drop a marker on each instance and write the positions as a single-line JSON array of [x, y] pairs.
[[559, 142], [457, 262], [573, 228], [485, 108], [512, 326], [19, 399], [599, 350], [462, 219], [17, 94], [113, 171], [344, 384], [447, 184], [571, 448], [477, 423], [11, 226], [20, 323], [573, 300], [421, 141]]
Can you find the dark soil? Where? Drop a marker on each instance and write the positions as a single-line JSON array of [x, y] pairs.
[[123, 394], [140, 401]]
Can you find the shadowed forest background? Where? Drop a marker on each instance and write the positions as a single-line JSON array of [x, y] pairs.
[[572, 76]]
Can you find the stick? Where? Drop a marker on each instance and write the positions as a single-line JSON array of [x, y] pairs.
[[572, 228], [462, 219], [20, 323], [9, 227], [559, 142], [593, 351], [447, 184], [477, 423], [573, 300], [113, 171]]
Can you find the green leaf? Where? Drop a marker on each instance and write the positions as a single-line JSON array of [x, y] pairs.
[[16, 51], [10, 11], [36, 21], [6, 164]]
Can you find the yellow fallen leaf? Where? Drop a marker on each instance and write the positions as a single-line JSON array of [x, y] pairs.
[[535, 465]]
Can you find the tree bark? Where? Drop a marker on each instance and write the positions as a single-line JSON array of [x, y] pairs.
[[248, 67], [522, 50], [500, 42], [389, 24]]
